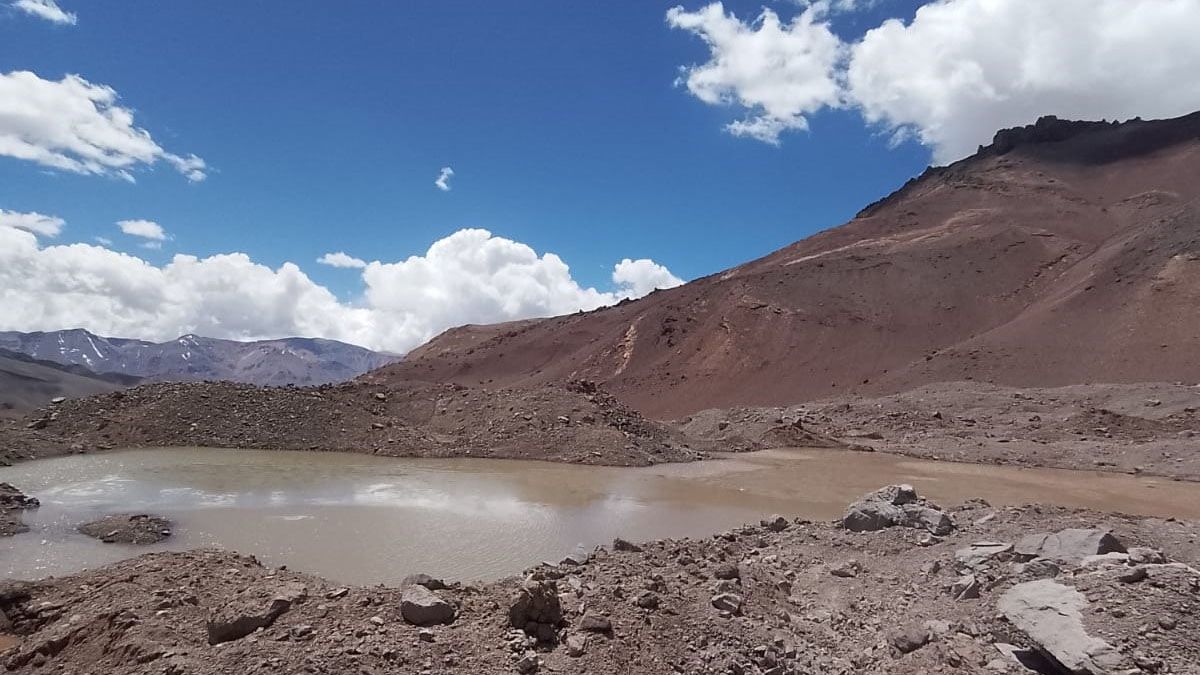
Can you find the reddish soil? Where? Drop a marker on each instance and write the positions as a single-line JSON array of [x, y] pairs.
[[1065, 253]]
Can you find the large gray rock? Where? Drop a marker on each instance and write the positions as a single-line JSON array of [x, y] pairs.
[[253, 609], [1070, 546], [422, 607], [896, 505], [982, 552], [1050, 614]]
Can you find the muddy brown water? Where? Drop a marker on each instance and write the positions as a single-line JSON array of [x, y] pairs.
[[365, 519]]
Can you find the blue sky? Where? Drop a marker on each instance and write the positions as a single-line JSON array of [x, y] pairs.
[[687, 138], [326, 126]]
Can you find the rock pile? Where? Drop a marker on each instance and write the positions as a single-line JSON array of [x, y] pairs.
[[896, 505]]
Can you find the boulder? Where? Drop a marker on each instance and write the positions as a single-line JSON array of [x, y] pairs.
[[1051, 615], [535, 608], [896, 505], [252, 610], [1070, 546], [422, 607]]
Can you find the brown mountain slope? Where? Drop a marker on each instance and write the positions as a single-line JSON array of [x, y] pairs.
[[1065, 252]]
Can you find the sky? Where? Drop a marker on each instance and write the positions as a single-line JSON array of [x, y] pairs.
[[377, 172]]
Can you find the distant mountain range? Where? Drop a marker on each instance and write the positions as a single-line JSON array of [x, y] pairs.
[[26, 382], [300, 361]]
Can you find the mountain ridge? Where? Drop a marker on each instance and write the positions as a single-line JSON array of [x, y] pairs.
[[1058, 239], [283, 361]]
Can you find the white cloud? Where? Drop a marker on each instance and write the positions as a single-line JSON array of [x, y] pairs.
[[46, 9], [46, 226], [778, 72], [958, 72], [77, 126], [966, 68], [638, 277], [341, 259], [470, 276], [104, 241], [443, 179], [146, 229]]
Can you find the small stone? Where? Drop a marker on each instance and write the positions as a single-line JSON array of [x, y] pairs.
[[1133, 576], [647, 600], [425, 635], [1143, 555], [576, 645], [620, 544], [727, 571], [727, 602], [910, 639], [775, 523], [847, 570], [965, 587], [595, 623]]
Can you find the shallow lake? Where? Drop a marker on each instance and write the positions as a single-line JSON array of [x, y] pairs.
[[366, 519]]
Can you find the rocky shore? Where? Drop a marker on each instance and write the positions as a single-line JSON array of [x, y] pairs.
[[575, 422], [970, 589], [1149, 428]]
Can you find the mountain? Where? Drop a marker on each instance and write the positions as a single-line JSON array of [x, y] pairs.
[[1064, 252], [27, 383], [190, 357]]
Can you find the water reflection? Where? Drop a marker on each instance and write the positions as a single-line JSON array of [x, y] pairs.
[[367, 519]]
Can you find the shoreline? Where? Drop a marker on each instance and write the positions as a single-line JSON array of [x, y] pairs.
[[810, 596]]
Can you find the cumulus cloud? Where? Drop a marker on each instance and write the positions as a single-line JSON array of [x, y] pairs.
[[46, 9], [443, 179], [74, 125], [638, 277], [959, 71], [146, 229], [341, 259], [39, 224], [964, 68], [471, 276], [779, 72]]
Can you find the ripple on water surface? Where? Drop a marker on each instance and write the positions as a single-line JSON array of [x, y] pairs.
[[365, 519]]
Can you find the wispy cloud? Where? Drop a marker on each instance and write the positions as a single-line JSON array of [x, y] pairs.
[[146, 229], [342, 259], [37, 223], [46, 9], [443, 179]]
